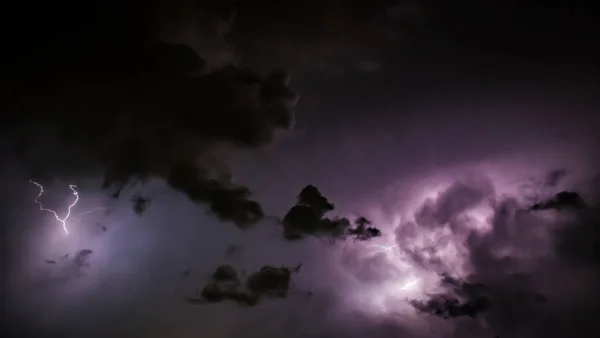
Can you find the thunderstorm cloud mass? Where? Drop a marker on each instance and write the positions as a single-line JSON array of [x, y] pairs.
[[229, 169]]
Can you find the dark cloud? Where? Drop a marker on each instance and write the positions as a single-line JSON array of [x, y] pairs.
[[268, 282], [563, 199], [134, 92], [525, 279], [153, 109], [461, 299], [140, 203], [228, 203], [536, 189], [307, 217], [579, 242], [554, 177]]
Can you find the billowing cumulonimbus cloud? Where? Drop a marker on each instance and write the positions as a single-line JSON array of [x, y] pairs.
[[443, 218], [517, 271]]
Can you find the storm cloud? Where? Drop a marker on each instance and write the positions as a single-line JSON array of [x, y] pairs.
[[153, 110], [428, 136]]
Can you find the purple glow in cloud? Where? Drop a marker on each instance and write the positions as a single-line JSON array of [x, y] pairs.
[[444, 149]]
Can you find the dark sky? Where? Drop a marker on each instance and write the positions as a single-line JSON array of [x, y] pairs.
[[440, 121]]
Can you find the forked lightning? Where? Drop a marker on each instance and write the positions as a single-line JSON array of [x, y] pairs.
[[63, 221]]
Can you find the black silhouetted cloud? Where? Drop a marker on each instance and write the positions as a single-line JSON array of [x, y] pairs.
[[268, 282], [307, 217], [155, 112]]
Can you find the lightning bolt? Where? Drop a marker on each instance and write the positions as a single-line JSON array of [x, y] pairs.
[[382, 248], [64, 220], [388, 248], [409, 284], [92, 210]]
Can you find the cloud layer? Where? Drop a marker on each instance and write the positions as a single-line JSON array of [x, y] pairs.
[[155, 97]]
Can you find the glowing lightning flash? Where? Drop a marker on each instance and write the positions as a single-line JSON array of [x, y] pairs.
[[64, 220], [408, 285], [382, 247]]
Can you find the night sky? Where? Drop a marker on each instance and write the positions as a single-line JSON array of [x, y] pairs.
[[254, 135]]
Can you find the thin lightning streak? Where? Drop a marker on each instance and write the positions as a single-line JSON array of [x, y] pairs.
[[409, 284], [92, 210], [382, 247], [64, 220]]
